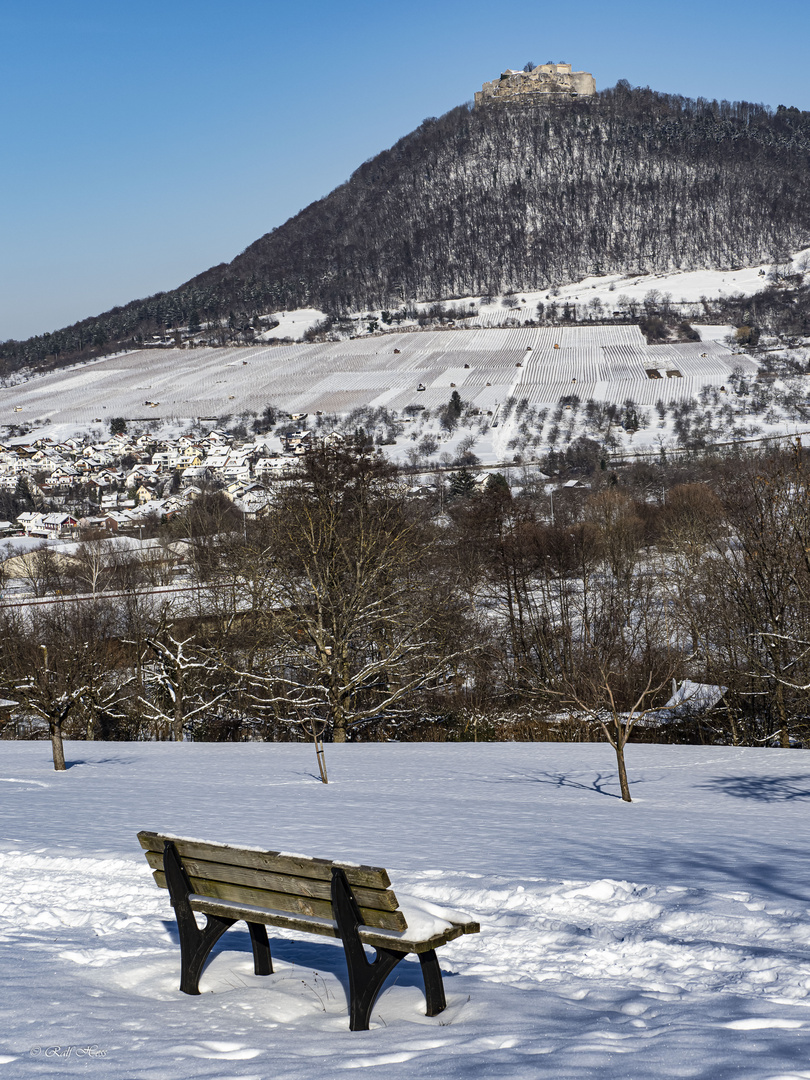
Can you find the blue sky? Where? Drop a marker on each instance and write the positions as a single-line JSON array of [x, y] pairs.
[[143, 143]]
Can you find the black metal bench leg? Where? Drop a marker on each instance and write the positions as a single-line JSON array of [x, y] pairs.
[[365, 977], [195, 944], [365, 982], [434, 988], [196, 948], [262, 960]]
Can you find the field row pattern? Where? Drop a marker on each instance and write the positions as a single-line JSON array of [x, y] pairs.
[[341, 376]]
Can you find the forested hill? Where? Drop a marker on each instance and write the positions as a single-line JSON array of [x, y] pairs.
[[507, 198]]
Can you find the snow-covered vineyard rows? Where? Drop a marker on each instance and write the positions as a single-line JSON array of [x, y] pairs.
[[541, 364]]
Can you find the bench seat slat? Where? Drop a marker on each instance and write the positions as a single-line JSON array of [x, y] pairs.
[[376, 938], [377, 899], [373, 877], [279, 901]]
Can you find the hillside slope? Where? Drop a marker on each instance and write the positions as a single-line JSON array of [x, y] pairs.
[[508, 199], [497, 199]]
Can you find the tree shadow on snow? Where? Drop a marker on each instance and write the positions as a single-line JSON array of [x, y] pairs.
[[761, 788], [561, 780], [74, 763], [766, 869]]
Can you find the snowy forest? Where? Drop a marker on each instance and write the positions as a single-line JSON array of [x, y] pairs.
[[356, 610], [491, 200]]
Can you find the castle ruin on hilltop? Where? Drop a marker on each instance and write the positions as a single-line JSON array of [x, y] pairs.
[[542, 85]]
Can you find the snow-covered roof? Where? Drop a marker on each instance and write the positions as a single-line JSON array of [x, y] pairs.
[[694, 697], [57, 519]]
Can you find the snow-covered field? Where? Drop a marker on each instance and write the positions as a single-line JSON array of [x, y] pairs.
[[667, 938], [292, 324], [511, 375], [606, 363], [684, 287]]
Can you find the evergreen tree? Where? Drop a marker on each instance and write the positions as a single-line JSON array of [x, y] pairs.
[[462, 484]]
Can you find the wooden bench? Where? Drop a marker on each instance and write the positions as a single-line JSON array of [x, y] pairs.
[[293, 892]]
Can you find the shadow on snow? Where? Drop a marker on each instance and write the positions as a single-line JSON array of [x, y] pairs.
[[305, 958], [761, 788]]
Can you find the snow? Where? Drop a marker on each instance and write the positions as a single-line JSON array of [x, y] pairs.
[[492, 359], [666, 938], [292, 324], [425, 919], [684, 286], [607, 363], [698, 696]]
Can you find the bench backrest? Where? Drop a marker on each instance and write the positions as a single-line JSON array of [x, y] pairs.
[[275, 881]]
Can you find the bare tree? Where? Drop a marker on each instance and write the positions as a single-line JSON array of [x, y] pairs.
[[64, 666], [180, 681], [349, 626], [109, 696], [46, 683], [94, 564], [763, 570], [602, 707], [40, 569]]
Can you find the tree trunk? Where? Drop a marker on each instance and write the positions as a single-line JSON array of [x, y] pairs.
[[784, 736], [735, 735], [56, 746], [622, 771], [319, 754], [338, 717], [177, 722]]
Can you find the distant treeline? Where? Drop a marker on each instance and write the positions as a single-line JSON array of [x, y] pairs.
[[466, 612], [506, 199]]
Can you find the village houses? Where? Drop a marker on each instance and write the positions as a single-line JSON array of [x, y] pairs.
[[118, 483]]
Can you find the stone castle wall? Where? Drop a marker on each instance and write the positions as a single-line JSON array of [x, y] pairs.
[[541, 86]]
